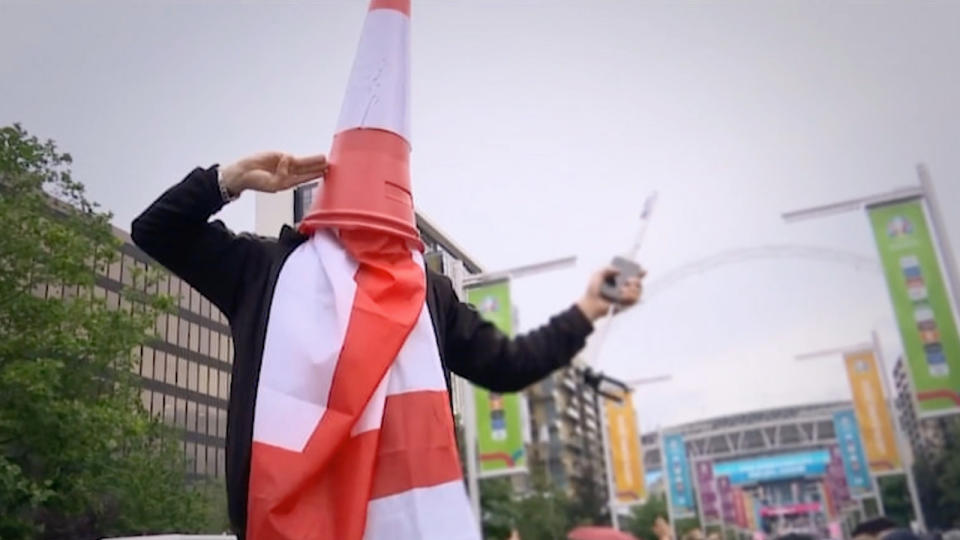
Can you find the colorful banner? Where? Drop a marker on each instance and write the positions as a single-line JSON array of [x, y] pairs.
[[873, 416], [500, 446], [707, 488], [728, 507], [851, 450], [678, 477], [625, 454], [753, 516], [764, 469], [739, 508], [927, 325], [836, 480]]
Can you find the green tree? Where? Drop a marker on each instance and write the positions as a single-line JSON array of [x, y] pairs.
[[642, 516], [938, 479], [79, 456], [498, 509], [545, 513]]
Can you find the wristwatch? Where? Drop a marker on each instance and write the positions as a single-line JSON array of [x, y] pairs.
[[224, 192]]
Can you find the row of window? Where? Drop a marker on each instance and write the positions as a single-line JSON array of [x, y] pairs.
[[191, 336], [122, 270], [184, 373], [188, 415], [205, 460]]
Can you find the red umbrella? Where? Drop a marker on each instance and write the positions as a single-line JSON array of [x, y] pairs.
[[598, 533]]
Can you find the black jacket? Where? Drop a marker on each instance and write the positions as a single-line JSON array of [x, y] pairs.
[[238, 274]]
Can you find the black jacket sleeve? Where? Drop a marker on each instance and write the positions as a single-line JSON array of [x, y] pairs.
[[479, 352], [176, 231]]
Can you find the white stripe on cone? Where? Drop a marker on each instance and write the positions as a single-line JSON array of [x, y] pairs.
[[378, 93]]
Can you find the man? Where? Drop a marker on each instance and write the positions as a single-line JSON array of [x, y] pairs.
[[249, 279]]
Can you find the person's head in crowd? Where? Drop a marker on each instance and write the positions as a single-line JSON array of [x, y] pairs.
[[796, 536], [873, 528], [899, 534], [661, 527], [693, 534]]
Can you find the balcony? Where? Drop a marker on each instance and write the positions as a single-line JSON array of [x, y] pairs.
[[572, 412]]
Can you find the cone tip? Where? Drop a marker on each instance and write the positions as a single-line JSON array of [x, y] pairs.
[[403, 6]]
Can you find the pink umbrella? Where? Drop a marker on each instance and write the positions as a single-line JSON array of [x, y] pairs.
[[598, 533]]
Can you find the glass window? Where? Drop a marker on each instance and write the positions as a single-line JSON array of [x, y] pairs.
[[99, 292], [173, 328], [224, 350], [194, 301], [220, 463], [146, 398], [163, 284], [161, 327], [230, 351], [169, 415], [146, 363], [191, 416], [202, 382], [194, 337], [114, 271], [184, 339], [204, 341], [181, 372], [204, 307], [181, 412], [224, 386], [126, 272], [201, 418], [156, 408], [184, 295], [221, 423], [192, 376], [113, 300], [211, 421], [215, 345], [211, 461], [213, 382], [191, 453], [201, 459]]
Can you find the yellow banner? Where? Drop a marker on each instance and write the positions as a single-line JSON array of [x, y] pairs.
[[876, 428], [626, 457]]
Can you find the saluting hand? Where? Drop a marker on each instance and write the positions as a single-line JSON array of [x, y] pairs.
[[271, 172]]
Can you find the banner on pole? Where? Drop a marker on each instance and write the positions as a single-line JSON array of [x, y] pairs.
[[500, 429], [728, 507], [707, 488], [873, 416], [625, 454], [680, 487], [921, 304], [851, 450]]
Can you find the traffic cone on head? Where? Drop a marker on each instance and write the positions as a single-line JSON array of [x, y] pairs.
[[367, 186]]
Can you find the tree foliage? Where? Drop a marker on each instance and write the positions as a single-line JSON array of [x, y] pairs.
[[79, 456], [642, 516]]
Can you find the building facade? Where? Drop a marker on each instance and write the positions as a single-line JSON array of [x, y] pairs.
[[567, 444], [926, 435], [185, 368]]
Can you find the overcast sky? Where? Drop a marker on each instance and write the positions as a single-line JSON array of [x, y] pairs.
[[538, 129]]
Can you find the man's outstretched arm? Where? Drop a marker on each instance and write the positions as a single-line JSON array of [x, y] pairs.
[[476, 350]]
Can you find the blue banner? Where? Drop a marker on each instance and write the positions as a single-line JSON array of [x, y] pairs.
[[678, 477], [851, 448], [797, 464]]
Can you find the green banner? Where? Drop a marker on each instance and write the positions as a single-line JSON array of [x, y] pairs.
[[927, 326], [499, 419]]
